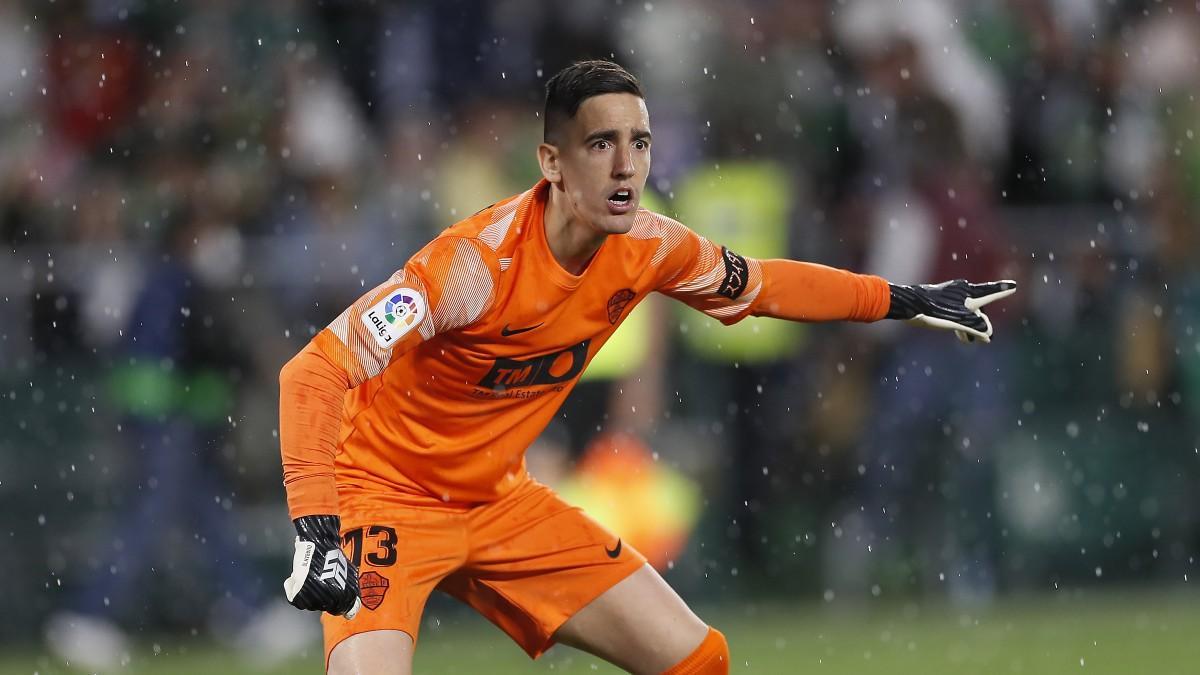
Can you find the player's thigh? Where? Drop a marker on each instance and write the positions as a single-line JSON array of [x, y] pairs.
[[640, 624], [400, 558], [382, 652]]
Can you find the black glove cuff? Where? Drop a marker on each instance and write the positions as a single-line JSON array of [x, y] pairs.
[[324, 530], [907, 302]]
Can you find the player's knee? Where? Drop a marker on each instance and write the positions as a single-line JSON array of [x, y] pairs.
[[710, 658], [387, 652]]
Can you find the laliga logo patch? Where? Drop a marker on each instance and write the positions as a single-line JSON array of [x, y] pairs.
[[390, 319], [372, 587]]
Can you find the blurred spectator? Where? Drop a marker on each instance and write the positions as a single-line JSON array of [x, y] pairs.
[[938, 410], [744, 385], [177, 390], [93, 77]]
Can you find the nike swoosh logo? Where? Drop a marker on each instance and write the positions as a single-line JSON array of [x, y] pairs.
[[507, 332], [615, 551]]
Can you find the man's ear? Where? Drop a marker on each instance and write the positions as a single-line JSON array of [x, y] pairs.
[[548, 161]]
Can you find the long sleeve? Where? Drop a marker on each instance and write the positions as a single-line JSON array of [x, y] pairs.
[[311, 393], [802, 291]]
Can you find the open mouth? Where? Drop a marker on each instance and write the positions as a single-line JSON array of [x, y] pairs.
[[620, 201]]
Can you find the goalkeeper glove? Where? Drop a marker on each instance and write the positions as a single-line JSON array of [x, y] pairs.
[[322, 578], [951, 305]]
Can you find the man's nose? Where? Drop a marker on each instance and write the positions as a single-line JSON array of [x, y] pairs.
[[623, 166]]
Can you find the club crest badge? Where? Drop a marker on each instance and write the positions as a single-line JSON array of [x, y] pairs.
[[618, 302], [372, 586]]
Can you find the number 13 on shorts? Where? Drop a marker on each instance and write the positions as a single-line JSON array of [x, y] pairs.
[[382, 538]]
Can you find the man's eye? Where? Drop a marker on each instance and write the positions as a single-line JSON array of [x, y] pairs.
[[640, 145], [600, 145]]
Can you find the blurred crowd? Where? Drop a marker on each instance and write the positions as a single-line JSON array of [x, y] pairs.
[[189, 191]]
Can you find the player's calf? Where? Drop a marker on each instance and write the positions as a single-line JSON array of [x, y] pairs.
[[710, 658]]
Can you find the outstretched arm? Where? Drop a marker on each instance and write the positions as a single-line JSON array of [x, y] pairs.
[[808, 292], [729, 287]]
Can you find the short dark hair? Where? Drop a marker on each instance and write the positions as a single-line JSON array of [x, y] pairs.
[[576, 83]]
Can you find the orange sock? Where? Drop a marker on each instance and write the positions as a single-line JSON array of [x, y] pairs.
[[710, 658]]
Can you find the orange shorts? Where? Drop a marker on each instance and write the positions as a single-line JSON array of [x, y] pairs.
[[527, 562]]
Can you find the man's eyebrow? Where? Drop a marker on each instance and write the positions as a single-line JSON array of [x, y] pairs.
[[611, 135], [601, 134]]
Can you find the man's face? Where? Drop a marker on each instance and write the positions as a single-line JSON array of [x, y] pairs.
[[604, 159]]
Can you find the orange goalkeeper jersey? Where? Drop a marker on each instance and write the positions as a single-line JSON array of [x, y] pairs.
[[450, 369]]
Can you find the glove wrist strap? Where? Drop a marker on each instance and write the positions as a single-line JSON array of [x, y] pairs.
[[323, 529], [906, 303]]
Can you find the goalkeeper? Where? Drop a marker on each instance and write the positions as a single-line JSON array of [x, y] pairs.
[[404, 423]]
